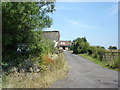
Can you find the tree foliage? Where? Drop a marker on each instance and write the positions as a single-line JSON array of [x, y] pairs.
[[112, 48], [20, 20], [40, 44], [81, 46]]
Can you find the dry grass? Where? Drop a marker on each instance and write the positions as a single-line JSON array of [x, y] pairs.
[[47, 60], [44, 79]]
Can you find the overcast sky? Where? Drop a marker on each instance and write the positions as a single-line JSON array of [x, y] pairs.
[[97, 21]]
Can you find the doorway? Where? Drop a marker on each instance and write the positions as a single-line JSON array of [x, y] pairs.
[[63, 47]]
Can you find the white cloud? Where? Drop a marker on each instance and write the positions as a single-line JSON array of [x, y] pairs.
[[74, 22], [81, 24]]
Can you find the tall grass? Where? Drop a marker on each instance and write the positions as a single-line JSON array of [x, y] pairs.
[[52, 71]]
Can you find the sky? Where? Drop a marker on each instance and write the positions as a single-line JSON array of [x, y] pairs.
[[97, 21]]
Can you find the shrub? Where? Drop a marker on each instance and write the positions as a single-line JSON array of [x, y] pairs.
[[47, 60], [114, 63], [96, 52], [80, 46]]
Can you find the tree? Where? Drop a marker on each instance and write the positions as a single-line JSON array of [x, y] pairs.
[[112, 48], [80, 45], [20, 19]]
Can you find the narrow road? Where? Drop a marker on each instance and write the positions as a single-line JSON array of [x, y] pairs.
[[86, 74]]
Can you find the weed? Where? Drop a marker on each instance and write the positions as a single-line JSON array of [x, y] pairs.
[[43, 79]]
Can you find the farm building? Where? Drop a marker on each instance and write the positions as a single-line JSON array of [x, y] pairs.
[[64, 45], [54, 36]]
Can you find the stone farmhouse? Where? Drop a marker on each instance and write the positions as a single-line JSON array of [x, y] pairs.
[[64, 45], [55, 37]]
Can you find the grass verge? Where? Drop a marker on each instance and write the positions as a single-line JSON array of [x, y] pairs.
[[97, 61], [43, 79]]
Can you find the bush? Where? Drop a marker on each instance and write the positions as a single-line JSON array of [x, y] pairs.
[[38, 47], [96, 52], [80, 46], [114, 63]]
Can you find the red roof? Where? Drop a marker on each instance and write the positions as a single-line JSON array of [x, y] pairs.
[[65, 43]]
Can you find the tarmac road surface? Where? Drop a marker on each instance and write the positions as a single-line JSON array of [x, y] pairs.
[[86, 74]]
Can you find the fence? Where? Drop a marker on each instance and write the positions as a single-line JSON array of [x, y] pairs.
[[111, 55]]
